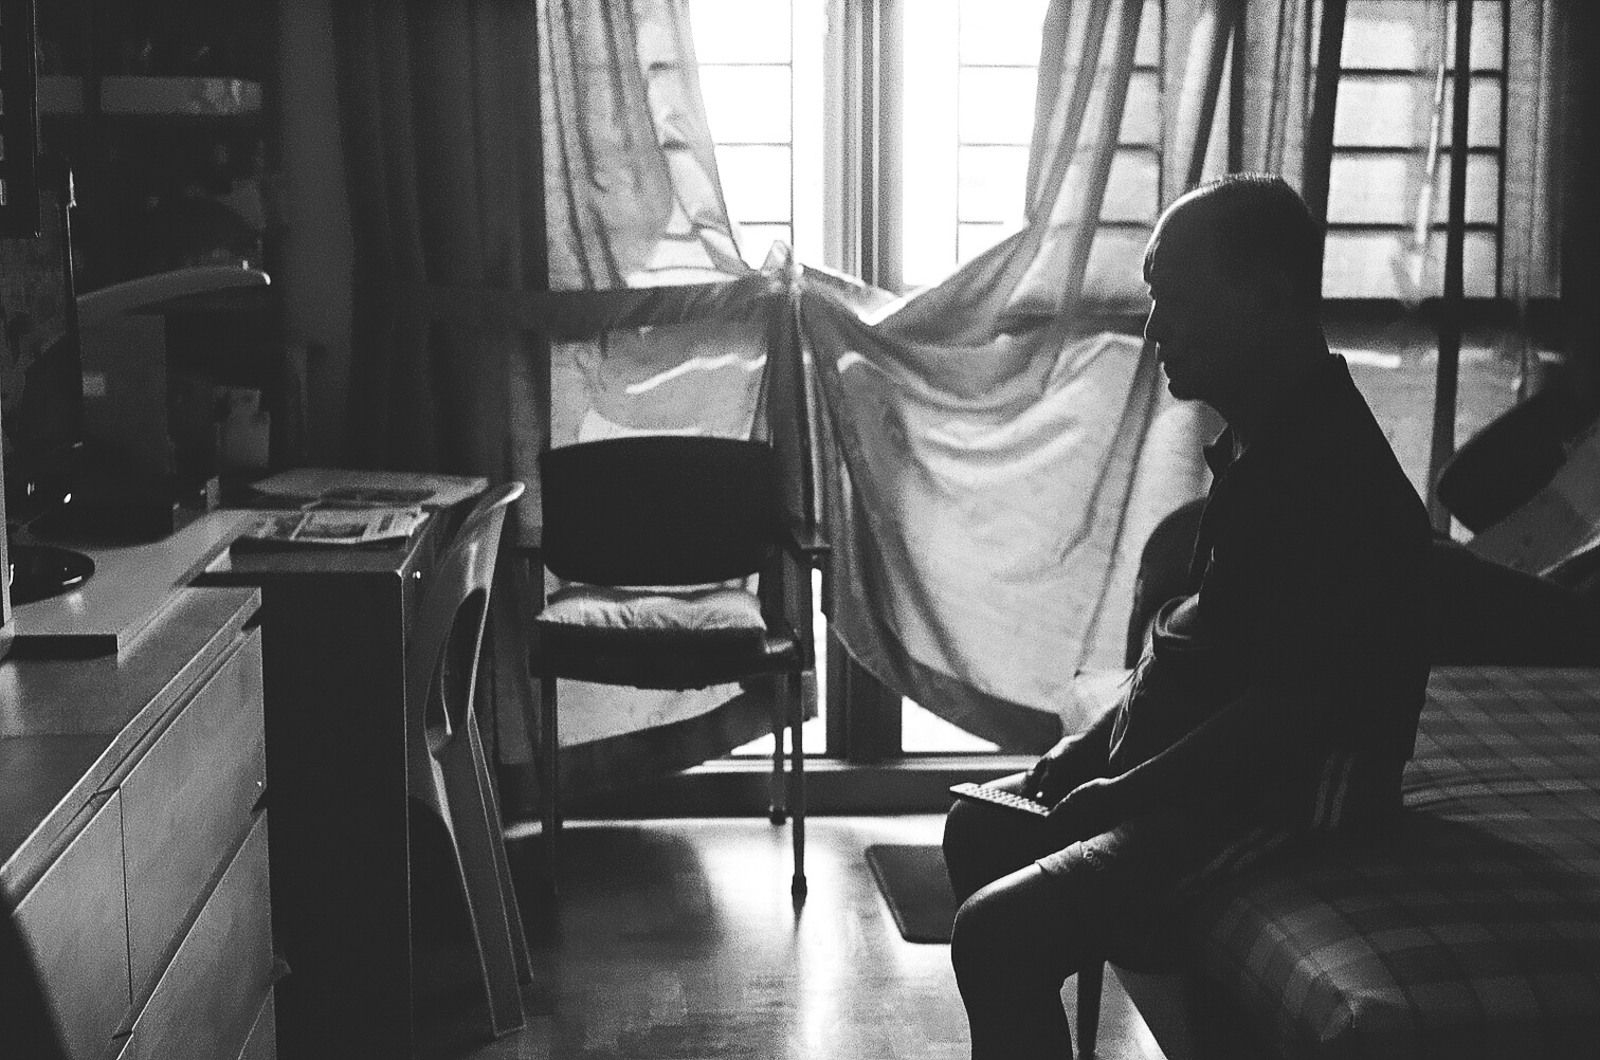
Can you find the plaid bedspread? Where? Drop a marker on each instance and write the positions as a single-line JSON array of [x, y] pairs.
[[1474, 929]]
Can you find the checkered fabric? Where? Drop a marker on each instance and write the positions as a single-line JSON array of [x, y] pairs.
[[1471, 930]]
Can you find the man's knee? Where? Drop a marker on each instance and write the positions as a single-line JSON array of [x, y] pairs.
[[1001, 922], [961, 830], [1024, 926], [983, 931]]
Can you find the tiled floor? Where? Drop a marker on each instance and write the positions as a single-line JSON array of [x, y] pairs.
[[678, 939]]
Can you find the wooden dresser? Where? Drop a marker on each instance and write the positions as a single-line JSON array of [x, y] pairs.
[[133, 836]]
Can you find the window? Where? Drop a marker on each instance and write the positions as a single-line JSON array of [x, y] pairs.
[[761, 73], [1394, 102], [965, 180]]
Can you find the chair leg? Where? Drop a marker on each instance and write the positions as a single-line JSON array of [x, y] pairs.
[[475, 829], [519, 936], [550, 739], [797, 688], [1090, 981], [777, 804]]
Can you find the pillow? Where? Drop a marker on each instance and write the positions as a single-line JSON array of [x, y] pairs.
[[720, 609]]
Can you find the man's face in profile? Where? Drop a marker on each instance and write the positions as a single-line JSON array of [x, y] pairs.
[[1203, 324]]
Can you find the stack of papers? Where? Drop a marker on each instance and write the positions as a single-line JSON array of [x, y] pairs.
[[343, 488], [333, 526]]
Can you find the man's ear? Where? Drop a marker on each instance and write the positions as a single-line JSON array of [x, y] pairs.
[[1274, 298]]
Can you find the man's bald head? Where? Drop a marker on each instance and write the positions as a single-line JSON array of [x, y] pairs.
[[1254, 229]]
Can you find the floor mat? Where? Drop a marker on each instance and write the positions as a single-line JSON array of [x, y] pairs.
[[912, 880]]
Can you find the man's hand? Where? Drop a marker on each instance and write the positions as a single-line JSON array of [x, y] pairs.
[[1064, 767], [1089, 809]]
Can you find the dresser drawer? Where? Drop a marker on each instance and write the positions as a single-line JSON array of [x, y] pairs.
[[210, 994], [186, 804], [75, 923]]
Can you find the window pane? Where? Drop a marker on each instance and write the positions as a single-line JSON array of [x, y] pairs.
[[1385, 189], [1141, 115], [1483, 112], [755, 181], [922, 731], [747, 104], [1378, 265], [1002, 34], [928, 142], [1147, 52], [1382, 34], [996, 105], [993, 181], [1133, 191], [974, 239], [1396, 110], [755, 240], [740, 31], [1116, 269], [1487, 42]]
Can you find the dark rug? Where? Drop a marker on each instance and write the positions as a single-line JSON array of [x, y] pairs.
[[912, 880]]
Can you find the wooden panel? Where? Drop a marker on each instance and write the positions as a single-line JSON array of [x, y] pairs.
[[75, 922], [209, 996], [263, 1041], [187, 803]]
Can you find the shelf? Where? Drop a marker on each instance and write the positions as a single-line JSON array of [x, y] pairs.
[[154, 97]]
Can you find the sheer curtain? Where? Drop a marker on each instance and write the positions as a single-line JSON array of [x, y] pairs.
[[993, 463], [1000, 460]]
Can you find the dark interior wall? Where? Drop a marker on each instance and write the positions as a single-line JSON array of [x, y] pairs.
[[317, 242], [1578, 31]]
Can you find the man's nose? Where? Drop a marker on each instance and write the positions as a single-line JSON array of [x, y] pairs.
[[1154, 326]]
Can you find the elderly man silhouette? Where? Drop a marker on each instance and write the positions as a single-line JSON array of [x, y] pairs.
[[1272, 708]]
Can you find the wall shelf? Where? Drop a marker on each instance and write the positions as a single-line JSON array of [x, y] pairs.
[[131, 96]]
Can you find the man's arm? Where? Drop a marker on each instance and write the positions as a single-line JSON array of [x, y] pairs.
[[1237, 747]]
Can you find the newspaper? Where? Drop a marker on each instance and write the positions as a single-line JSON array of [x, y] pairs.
[[334, 526]]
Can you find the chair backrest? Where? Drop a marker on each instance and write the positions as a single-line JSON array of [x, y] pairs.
[[442, 659], [658, 510]]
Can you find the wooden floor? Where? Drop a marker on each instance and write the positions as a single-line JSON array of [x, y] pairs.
[[678, 939]]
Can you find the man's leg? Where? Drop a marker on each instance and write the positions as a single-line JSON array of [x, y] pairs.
[[1015, 942], [983, 843]]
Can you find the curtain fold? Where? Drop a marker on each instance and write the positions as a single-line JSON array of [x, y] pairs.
[[634, 199]]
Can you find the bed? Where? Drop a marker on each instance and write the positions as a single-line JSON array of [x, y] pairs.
[[1471, 930]]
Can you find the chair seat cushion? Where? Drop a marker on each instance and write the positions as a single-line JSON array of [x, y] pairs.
[[658, 638], [717, 611]]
